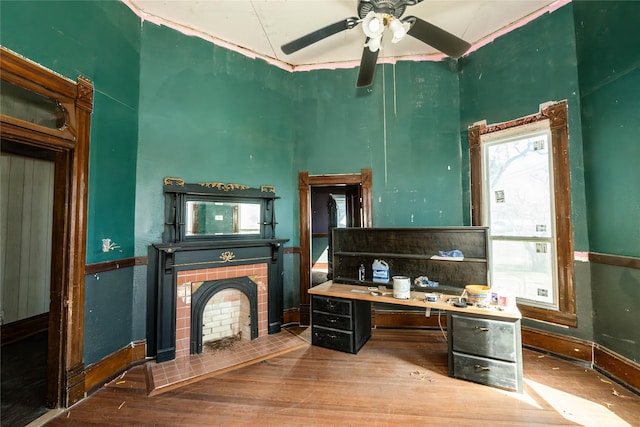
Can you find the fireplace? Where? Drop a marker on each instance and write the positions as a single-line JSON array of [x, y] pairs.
[[216, 237], [183, 277]]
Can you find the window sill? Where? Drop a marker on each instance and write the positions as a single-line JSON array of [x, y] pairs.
[[562, 318]]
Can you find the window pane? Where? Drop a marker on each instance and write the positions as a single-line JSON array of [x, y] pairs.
[[524, 269], [29, 106], [519, 193]]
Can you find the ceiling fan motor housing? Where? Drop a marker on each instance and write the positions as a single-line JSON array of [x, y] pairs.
[[391, 7]]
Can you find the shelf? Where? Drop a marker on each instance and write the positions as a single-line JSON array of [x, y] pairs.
[[403, 256], [409, 252]]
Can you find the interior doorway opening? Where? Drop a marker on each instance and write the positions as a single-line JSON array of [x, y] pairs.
[[355, 190], [331, 207]]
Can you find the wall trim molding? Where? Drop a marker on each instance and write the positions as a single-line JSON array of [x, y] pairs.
[[101, 267], [599, 258], [103, 371], [617, 260]]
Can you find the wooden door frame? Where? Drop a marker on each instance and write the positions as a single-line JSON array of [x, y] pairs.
[[70, 148], [305, 182]]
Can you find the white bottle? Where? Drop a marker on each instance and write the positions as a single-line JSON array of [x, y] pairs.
[[361, 273]]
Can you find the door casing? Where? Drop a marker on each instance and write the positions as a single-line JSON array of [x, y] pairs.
[[305, 182], [69, 146]]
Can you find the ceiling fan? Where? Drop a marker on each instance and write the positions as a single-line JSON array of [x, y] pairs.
[[376, 16]]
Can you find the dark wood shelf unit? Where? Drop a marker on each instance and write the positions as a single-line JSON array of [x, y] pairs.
[[409, 252]]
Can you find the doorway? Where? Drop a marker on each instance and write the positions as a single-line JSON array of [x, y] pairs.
[[47, 116], [356, 187], [331, 207], [26, 203]]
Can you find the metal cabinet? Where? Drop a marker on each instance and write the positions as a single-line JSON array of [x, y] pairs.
[[485, 350], [340, 324]]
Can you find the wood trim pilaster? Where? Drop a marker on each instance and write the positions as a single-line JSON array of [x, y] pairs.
[[475, 158], [304, 190], [558, 118]]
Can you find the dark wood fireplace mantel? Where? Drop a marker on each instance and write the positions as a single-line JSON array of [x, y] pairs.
[[167, 259]]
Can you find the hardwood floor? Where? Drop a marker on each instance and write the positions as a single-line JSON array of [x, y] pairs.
[[24, 380], [398, 378]]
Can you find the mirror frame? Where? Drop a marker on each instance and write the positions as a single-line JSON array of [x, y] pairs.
[[178, 193]]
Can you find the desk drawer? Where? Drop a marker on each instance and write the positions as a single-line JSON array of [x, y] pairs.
[[331, 305], [331, 320], [332, 338], [486, 371], [484, 337]]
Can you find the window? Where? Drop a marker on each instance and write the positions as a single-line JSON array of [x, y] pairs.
[[520, 189], [341, 206]]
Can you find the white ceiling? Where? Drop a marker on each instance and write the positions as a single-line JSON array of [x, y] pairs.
[[260, 27]]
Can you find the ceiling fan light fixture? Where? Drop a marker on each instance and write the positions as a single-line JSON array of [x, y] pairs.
[[399, 30], [373, 24], [374, 43]]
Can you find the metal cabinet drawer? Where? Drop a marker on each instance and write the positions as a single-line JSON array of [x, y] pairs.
[[332, 338], [487, 371], [483, 337], [332, 320], [331, 305]]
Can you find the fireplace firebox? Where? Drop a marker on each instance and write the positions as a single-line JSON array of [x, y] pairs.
[[206, 291]]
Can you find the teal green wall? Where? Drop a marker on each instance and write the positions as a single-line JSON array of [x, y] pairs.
[[608, 40], [101, 41], [405, 128], [508, 79], [209, 114]]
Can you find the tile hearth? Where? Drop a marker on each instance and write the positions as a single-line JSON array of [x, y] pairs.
[[172, 374]]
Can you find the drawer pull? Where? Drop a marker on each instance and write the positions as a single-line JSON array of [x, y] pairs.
[[482, 368], [481, 329], [331, 320]]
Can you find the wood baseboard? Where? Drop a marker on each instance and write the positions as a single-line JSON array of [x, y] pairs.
[[617, 367], [291, 315], [106, 369], [560, 345], [607, 362], [15, 331]]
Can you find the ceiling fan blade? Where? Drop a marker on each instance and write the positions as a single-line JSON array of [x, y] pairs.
[[367, 67], [436, 37], [319, 34]]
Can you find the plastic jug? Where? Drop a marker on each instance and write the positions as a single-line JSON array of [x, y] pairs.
[[380, 271]]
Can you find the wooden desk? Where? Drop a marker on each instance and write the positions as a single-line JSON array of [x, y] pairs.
[[484, 344], [357, 292]]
